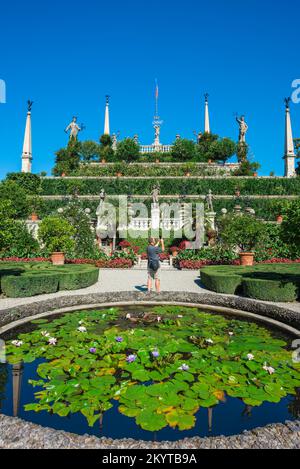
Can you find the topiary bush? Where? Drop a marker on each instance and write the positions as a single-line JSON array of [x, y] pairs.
[[23, 280], [270, 290], [57, 234], [278, 283], [221, 282]]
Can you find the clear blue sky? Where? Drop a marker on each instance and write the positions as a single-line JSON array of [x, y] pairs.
[[66, 56]]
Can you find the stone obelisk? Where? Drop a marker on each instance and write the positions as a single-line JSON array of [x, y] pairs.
[[289, 149], [106, 119], [206, 115], [27, 145]]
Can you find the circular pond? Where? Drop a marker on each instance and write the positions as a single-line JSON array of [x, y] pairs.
[[159, 372]]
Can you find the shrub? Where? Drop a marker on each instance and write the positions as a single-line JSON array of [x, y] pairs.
[[12, 192], [24, 280], [67, 159], [291, 226], [57, 234], [28, 285], [31, 183], [183, 150], [243, 231], [127, 150], [220, 282], [270, 290], [76, 280]]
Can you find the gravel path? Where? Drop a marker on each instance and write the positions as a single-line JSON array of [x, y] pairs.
[[116, 280]]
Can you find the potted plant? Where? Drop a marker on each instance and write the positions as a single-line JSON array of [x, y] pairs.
[[35, 205], [174, 251], [244, 232], [57, 236], [279, 219]]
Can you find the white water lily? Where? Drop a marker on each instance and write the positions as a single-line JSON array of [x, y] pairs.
[[81, 329], [180, 316], [269, 369], [209, 341], [45, 334], [52, 341], [17, 343], [250, 356], [230, 333], [158, 318], [128, 316]]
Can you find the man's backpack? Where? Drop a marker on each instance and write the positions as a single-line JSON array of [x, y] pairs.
[[154, 265]]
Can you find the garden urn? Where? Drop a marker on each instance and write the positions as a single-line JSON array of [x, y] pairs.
[[34, 217], [58, 258], [246, 258]]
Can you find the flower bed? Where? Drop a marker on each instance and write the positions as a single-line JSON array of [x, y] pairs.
[[119, 263]]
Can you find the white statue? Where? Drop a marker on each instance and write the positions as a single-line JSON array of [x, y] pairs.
[[243, 128], [155, 194], [209, 200], [74, 128]]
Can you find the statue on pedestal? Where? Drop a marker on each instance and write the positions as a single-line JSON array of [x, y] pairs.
[[155, 194], [209, 200], [243, 128], [74, 129]]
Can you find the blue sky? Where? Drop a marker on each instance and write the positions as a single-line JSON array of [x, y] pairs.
[[66, 56]]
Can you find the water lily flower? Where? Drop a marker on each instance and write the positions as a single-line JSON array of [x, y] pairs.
[[158, 318], [128, 316], [155, 353], [184, 367], [81, 329], [80, 322], [180, 316], [131, 358], [17, 343], [52, 341], [119, 339], [209, 341], [250, 356], [45, 334], [269, 369], [93, 350], [230, 333]]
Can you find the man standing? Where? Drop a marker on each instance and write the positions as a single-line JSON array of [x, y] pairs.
[[153, 252]]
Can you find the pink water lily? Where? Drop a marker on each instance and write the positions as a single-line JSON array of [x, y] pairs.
[[250, 356], [269, 369]]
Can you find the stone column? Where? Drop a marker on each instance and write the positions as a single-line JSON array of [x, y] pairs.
[[106, 120], [289, 149], [27, 146]]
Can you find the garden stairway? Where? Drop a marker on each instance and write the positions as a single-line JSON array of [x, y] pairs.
[[142, 265]]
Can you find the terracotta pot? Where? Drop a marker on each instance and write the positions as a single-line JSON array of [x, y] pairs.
[[255, 175], [119, 175], [58, 258], [209, 161], [63, 175], [34, 217], [237, 193], [246, 258], [279, 219]]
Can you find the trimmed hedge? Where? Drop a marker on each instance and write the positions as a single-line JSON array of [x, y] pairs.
[[267, 209], [278, 283], [25, 280], [191, 186], [271, 290]]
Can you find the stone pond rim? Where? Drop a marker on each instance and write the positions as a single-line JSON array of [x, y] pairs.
[[264, 437], [281, 317]]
